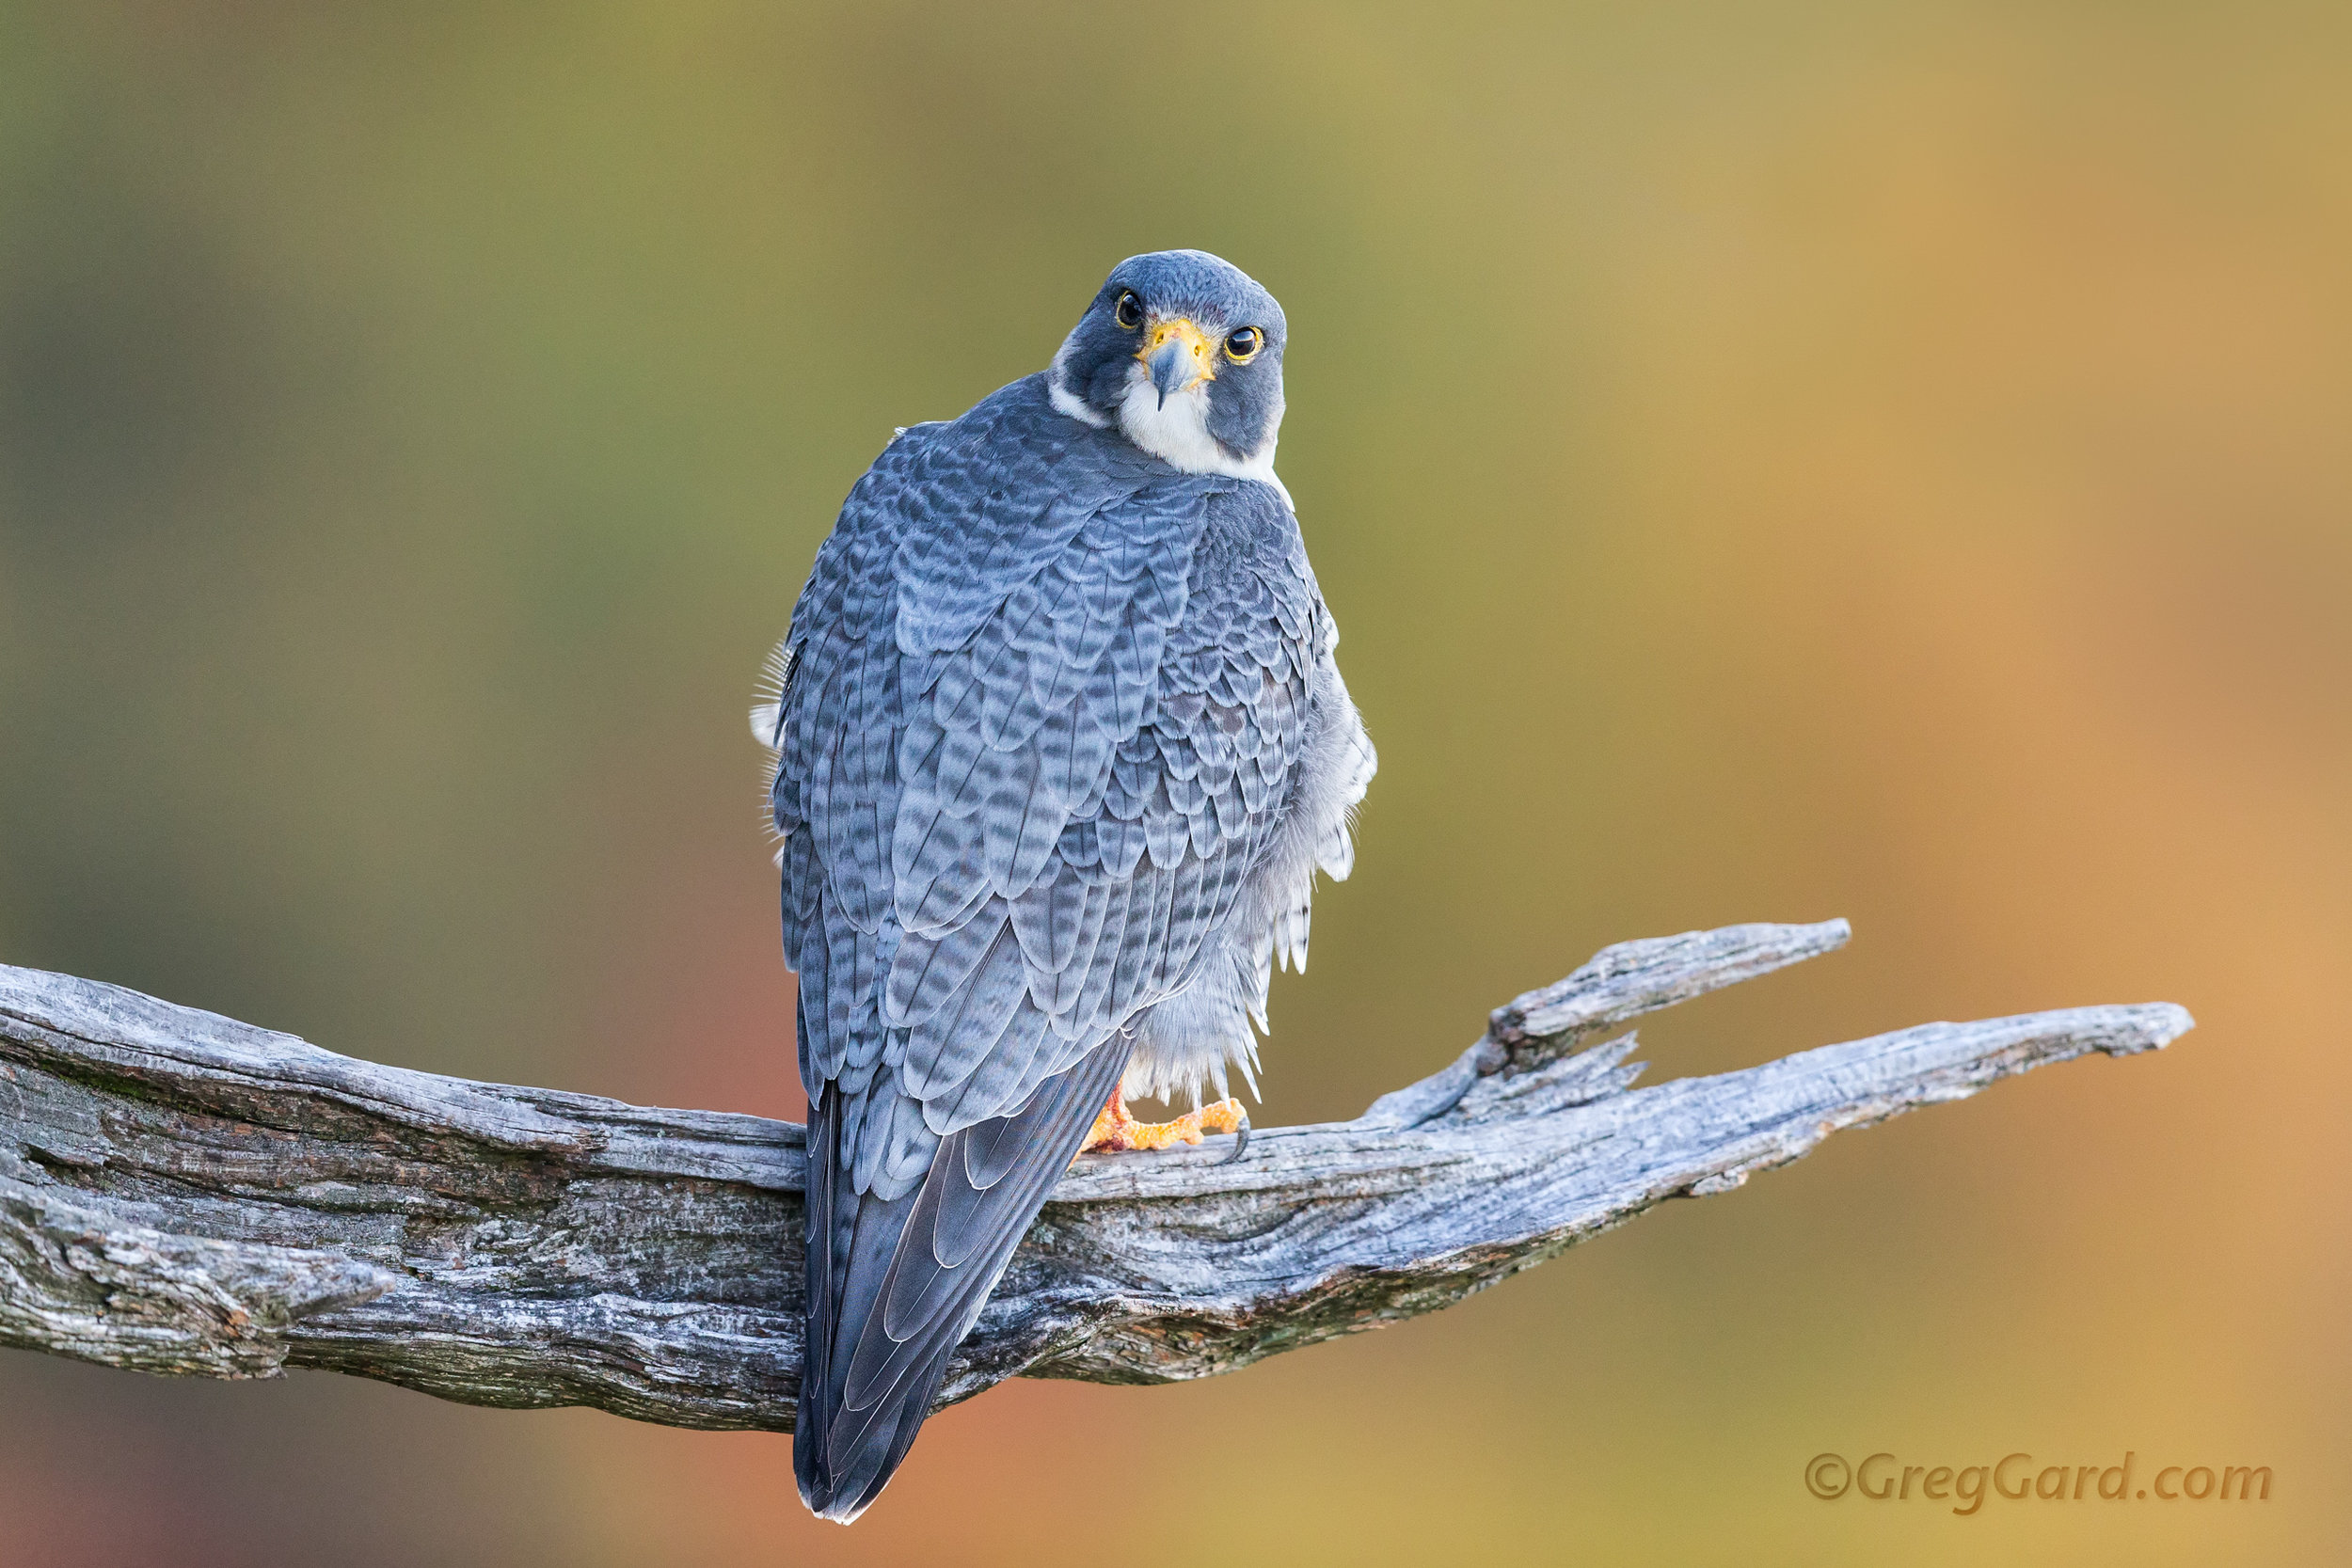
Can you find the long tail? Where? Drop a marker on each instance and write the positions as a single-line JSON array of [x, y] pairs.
[[895, 1285]]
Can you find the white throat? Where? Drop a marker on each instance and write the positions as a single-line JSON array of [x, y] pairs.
[[1176, 432]]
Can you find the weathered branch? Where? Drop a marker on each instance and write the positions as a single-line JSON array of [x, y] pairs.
[[180, 1193]]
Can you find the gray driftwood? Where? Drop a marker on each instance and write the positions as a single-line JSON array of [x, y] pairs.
[[180, 1193]]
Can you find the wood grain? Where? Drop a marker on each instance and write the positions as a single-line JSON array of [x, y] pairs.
[[181, 1193]]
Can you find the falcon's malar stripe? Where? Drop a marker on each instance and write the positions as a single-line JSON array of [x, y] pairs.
[[1176, 431]]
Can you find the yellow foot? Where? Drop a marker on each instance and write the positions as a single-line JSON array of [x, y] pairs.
[[1116, 1128]]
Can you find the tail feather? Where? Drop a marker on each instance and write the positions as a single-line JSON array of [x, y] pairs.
[[895, 1284]]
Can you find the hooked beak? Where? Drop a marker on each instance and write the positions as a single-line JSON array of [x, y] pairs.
[[1177, 355]]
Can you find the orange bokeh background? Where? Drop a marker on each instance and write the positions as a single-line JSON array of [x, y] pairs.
[[1768, 464]]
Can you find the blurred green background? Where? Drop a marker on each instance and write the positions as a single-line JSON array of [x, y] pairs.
[[1771, 463]]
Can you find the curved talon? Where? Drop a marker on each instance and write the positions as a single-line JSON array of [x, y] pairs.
[[1241, 1139]]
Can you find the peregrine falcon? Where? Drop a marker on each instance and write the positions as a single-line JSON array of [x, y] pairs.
[[1059, 744]]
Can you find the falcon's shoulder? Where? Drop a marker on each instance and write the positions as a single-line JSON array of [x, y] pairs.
[[980, 627], [1229, 701]]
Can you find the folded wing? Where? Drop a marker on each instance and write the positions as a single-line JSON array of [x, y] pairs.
[[1044, 709]]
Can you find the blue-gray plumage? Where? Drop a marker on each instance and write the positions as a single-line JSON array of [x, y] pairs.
[[1060, 743]]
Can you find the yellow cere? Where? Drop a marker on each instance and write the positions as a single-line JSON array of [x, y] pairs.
[[1182, 329]]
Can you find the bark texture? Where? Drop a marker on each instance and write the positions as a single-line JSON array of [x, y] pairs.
[[181, 1193]]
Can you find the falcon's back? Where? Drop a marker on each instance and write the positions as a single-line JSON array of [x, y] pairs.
[[1054, 718]]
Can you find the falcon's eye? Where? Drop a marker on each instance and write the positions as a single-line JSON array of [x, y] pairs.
[[1243, 344], [1128, 312]]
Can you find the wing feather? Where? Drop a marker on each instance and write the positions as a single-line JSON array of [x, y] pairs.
[[1038, 731]]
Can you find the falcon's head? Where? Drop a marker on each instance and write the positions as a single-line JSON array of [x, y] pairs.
[[1183, 354]]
